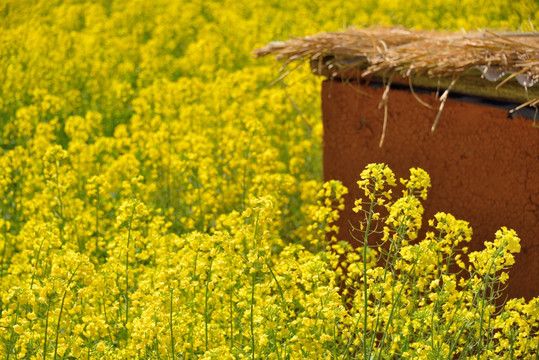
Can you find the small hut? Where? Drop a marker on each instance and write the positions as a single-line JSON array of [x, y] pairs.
[[462, 106]]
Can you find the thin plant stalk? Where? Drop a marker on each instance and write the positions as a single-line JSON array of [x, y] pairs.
[[46, 330], [127, 270], [97, 221], [37, 262], [393, 306], [61, 203], [231, 316], [170, 323], [365, 292], [253, 284], [62, 309], [206, 296], [194, 277], [11, 340], [5, 231]]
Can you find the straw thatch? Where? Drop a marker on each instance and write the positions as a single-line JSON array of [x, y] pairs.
[[416, 52]]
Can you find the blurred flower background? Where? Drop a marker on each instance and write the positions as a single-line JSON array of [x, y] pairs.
[[160, 199]]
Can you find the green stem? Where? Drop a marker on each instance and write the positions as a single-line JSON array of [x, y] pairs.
[[206, 295], [201, 213], [62, 309], [12, 337], [244, 175], [450, 356], [483, 297], [127, 271], [168, 176], [46, 330], [37, 262], [475, 299], [253, 291], [59, 195], [106, 317], [365, 291], [194, 278], [171, 328], [393, 306], [97, 222], [277, 282], [392, 253], [5, 241], [252, 317], [231, 318], [537, 351]]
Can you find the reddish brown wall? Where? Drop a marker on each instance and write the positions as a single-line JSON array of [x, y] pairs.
[[484, 167]]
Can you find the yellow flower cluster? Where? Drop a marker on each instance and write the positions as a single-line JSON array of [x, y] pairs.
[[409, 302], [159, 199]]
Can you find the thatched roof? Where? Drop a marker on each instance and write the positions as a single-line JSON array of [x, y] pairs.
[[417, 52]]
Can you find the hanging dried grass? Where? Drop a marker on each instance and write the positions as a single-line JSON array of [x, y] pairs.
[[414, 52], [411, 53]]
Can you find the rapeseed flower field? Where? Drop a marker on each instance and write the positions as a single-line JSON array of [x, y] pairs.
[[160, 200]]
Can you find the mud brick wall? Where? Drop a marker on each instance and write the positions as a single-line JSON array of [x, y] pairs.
[[484, 166]]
